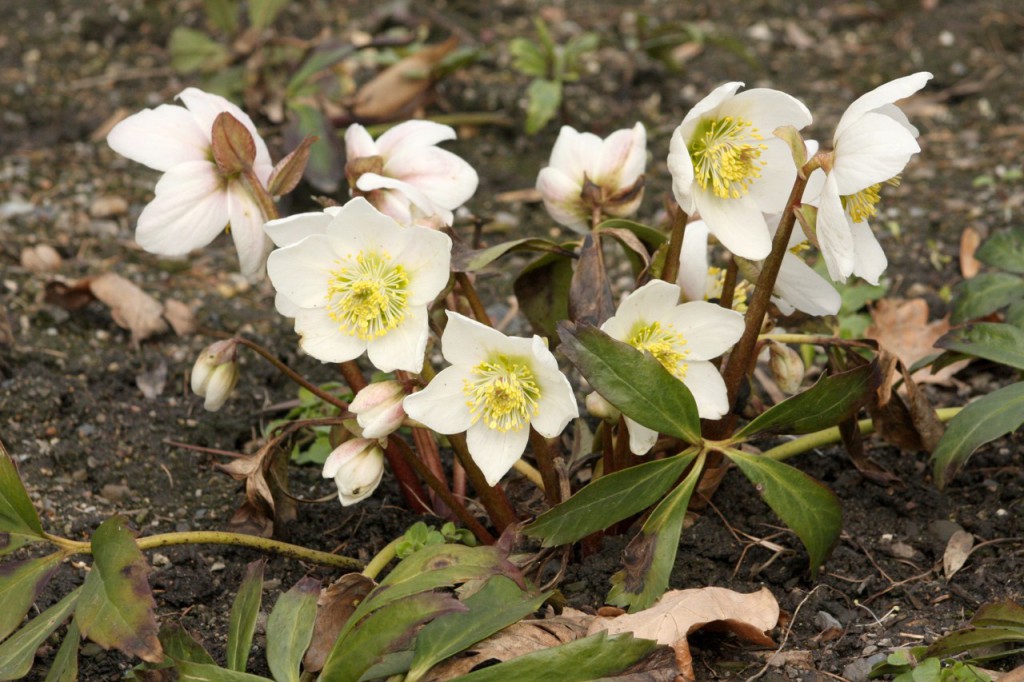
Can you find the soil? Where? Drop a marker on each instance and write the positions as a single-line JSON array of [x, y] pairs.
[[89, 444]]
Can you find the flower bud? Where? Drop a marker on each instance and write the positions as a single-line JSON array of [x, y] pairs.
[[598, 407], [356, 466], [787, 367], [215, 373], [378, 408]]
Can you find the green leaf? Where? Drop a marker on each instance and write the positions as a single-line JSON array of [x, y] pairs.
[[975, 638], [189, 671], [543, 97], [985, 294], [65, 663], [528, 58], [998, 614], [582, 660], [290, 629], [810, 509], [223, 14], [19, 651], [321, 58], [984, 420], [116, 607], [1004, 250], [579, 46], [607, 500], [19, 523], [648, 235], [193, 50], [498, 604], [179, 645], [1000, 343], [20, 583], [473, 260], [829, 401], [542, 289], [263, 12], [380, 632], [650, 555], [244, 611], [325, 167], [632, 381]]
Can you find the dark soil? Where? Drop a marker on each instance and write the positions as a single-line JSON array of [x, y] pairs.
[[89, 444]]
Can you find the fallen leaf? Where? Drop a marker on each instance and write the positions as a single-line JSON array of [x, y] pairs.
[[334, 606], [180, 317], [801, 659], [41, 258], [970, 240], [398, 91], [902, 327], [957, 550]]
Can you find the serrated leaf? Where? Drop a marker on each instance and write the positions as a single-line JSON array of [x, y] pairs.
[[607, 500], [263, 12], [473, 260], [984, 420], [18, 518], [498, 604], [582, 660], [810, 509], [649, 556], [116, 606], [985, 294], [543, 97], [19, 650], [1000, 343], [290, 629], [20, 583], [1004, 250], [193, 50], [65, 664], [829, 401], [632, 381], [244, 611], [189, 671], [542, 289]]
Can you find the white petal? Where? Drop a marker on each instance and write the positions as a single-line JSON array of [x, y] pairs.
[[190, 209], [287, 231], [447, 180], [833, 229], [427, 258], [713, 99], [708, 389], [466, 342], [363, 228], [285, 306], [651, 302], [804, 289], [359, 143], [368, 182], [873, 149], [495, 452], [301, 271], [575, 153], [160, 138], [693, 261], [205, 107], [772, 189], [251, 241], [680, 165], [737, 223], [767, 109], [641, 438], [441, 406], [562, 199], [622, 158], [402, 347], [884, 94], [413, 135], [557, 405], [709, 329], [322, 338], [869, 258]]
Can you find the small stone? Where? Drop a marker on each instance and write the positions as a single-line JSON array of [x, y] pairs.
[[114, 492], [217, 566], [161, 560], [108, 207]]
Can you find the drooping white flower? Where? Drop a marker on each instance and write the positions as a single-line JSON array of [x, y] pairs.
[[215, 373], [872, 145], [405, 175], [683, 338], [586, 172], [727, 165], [358, 281], [194, 201], [378, 408], [357, 467], [496, 388]]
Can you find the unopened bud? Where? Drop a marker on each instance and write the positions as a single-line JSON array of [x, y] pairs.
[[232, 145], [215, 373], [598, 407], [378, 408], [356, 466], [787, 367]]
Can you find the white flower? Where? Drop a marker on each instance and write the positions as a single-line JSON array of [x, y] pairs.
[[872, 144], [215, 373], [378, 408], [727, 165], [356, 466], [405, 175], [683, 338], [358, 281], [194, 202], [586, 172], [495, 390]]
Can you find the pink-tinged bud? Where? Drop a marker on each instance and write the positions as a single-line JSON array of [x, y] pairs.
[[378, 408], [356, 466], [787, 367], [598, 407], [233, 146], [215, 373]]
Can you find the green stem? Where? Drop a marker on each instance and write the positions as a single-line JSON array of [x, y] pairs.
[[292, 374], [382, 559]]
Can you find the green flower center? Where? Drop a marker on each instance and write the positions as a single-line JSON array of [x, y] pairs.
[[367, 295], [664, 343], [503, 393], [724, 156]]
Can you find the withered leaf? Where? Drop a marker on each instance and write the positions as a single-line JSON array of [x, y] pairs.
[[335, 605], [398, 91], [902, 327]]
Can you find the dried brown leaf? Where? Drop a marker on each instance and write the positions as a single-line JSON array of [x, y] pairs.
[[970, 240], [957, 550], [902, 327], [400, 89], [590, 295], [131, 307], [41, 258], [335, 605], [180, 317]]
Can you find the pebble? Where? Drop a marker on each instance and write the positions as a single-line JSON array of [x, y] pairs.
[[114, 492], [859, 669], [108, 207]]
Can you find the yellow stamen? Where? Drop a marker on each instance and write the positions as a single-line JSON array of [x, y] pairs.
[[664, 343], [503, 393], [367, 295], [726, 156], [716, 285], [863, 204]]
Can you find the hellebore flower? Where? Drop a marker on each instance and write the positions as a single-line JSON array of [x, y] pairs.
[[356, 466], [872, 145], [587, 173], [727, 165], [358, 281], [405, 175], [215, 373], [195, 200], [683, 338], [496, 388], [378, 408]]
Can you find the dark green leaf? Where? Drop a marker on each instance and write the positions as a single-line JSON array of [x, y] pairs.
[[326, 166], [193, 50], [19, 651], [20, 583], [223, 14], [543, 97], [984, 294], [322, 57], [116, 607], [1004, 250], [984, 420], [179, 645], [65, 664], [542, 289], [999, 614], [473, 260], [498, 604], [263, 12], [290, 629], [810, 509], [829, 401], [1000, 343], [189, 671], [1015, 314], [607, 500], [632, 381], [579, 46], [649, 556], [18, 517], [975, 638], [582, 660], [244, 611]]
